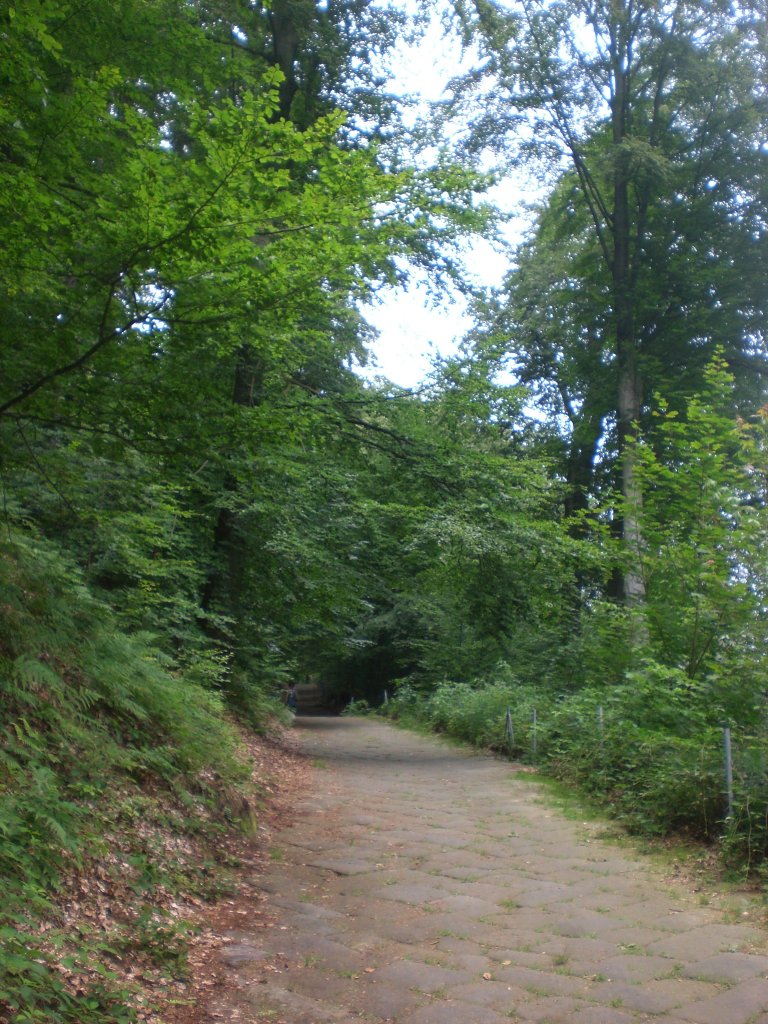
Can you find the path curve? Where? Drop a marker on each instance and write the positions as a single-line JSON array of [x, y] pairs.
[[425, 884]]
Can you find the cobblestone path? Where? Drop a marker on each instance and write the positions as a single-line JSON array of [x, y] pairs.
[[424, 884]]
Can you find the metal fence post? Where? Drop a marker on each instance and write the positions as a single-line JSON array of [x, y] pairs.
[[509, 732], [534, 738], [601, 729], [728, 757]]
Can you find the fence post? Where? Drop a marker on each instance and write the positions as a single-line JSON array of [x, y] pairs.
[[601, 729], [534, 738], [728, 757], [509, 732]]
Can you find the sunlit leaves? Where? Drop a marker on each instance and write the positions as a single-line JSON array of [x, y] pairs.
[[704, 530]]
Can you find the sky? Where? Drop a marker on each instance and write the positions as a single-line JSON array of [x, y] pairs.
[[410, 333], [412, 330]]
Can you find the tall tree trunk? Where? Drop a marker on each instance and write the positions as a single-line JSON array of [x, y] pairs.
[[629, 398], [224, 581]]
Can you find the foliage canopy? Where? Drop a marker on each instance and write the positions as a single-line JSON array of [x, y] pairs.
[[202, 500]]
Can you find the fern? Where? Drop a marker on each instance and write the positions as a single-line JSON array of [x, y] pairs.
[[33, 674], [89, 711]]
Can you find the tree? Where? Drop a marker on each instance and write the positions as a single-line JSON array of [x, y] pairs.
[[653, 119], [704, 529], [179, 296], [463, 557]]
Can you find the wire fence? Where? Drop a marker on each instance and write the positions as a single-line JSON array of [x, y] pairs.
[[745, 759]]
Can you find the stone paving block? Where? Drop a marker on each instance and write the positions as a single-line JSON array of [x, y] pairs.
[[347, 891], [541, 982], [466, 872], [635, 968], [549, 1010], [438, 837], [300, 946], [633, 997], [476, 964], [602, 902], [372, 946], [575, 879], [493, 994], [492, 952], [343, 865], [371, 821], [448, 1012], [738, 1005], [683, 991], [500, 896], [422, 977], [359, 911], [387, 1001], [576, 923], [541, 894], [301, 1009], [416, 894], [469, 905], [326, 988], [676, 917], [487, 854], [631, 938], [604, 881], [409, 933], [536, 960], [488, 931], [728, 967], [589, 952], [314, 914], [528, 920], [702, 943], [602, 1015]]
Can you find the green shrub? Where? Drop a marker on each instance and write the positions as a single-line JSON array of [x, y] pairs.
[[34, 993]]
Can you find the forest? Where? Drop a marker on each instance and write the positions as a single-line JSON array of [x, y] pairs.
[[556, 545]]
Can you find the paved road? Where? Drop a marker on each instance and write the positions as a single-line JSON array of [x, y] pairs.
[[424, 884]]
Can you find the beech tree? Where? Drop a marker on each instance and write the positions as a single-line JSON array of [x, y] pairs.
[[652, 115], [187, 243]]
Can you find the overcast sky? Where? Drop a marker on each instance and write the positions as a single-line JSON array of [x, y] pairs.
[[411, 329]]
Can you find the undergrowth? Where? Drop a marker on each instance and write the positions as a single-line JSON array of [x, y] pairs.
[[107, 753], [649, 749]]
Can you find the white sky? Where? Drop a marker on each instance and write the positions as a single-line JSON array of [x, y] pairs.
[[410, 333], [411, 329]]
